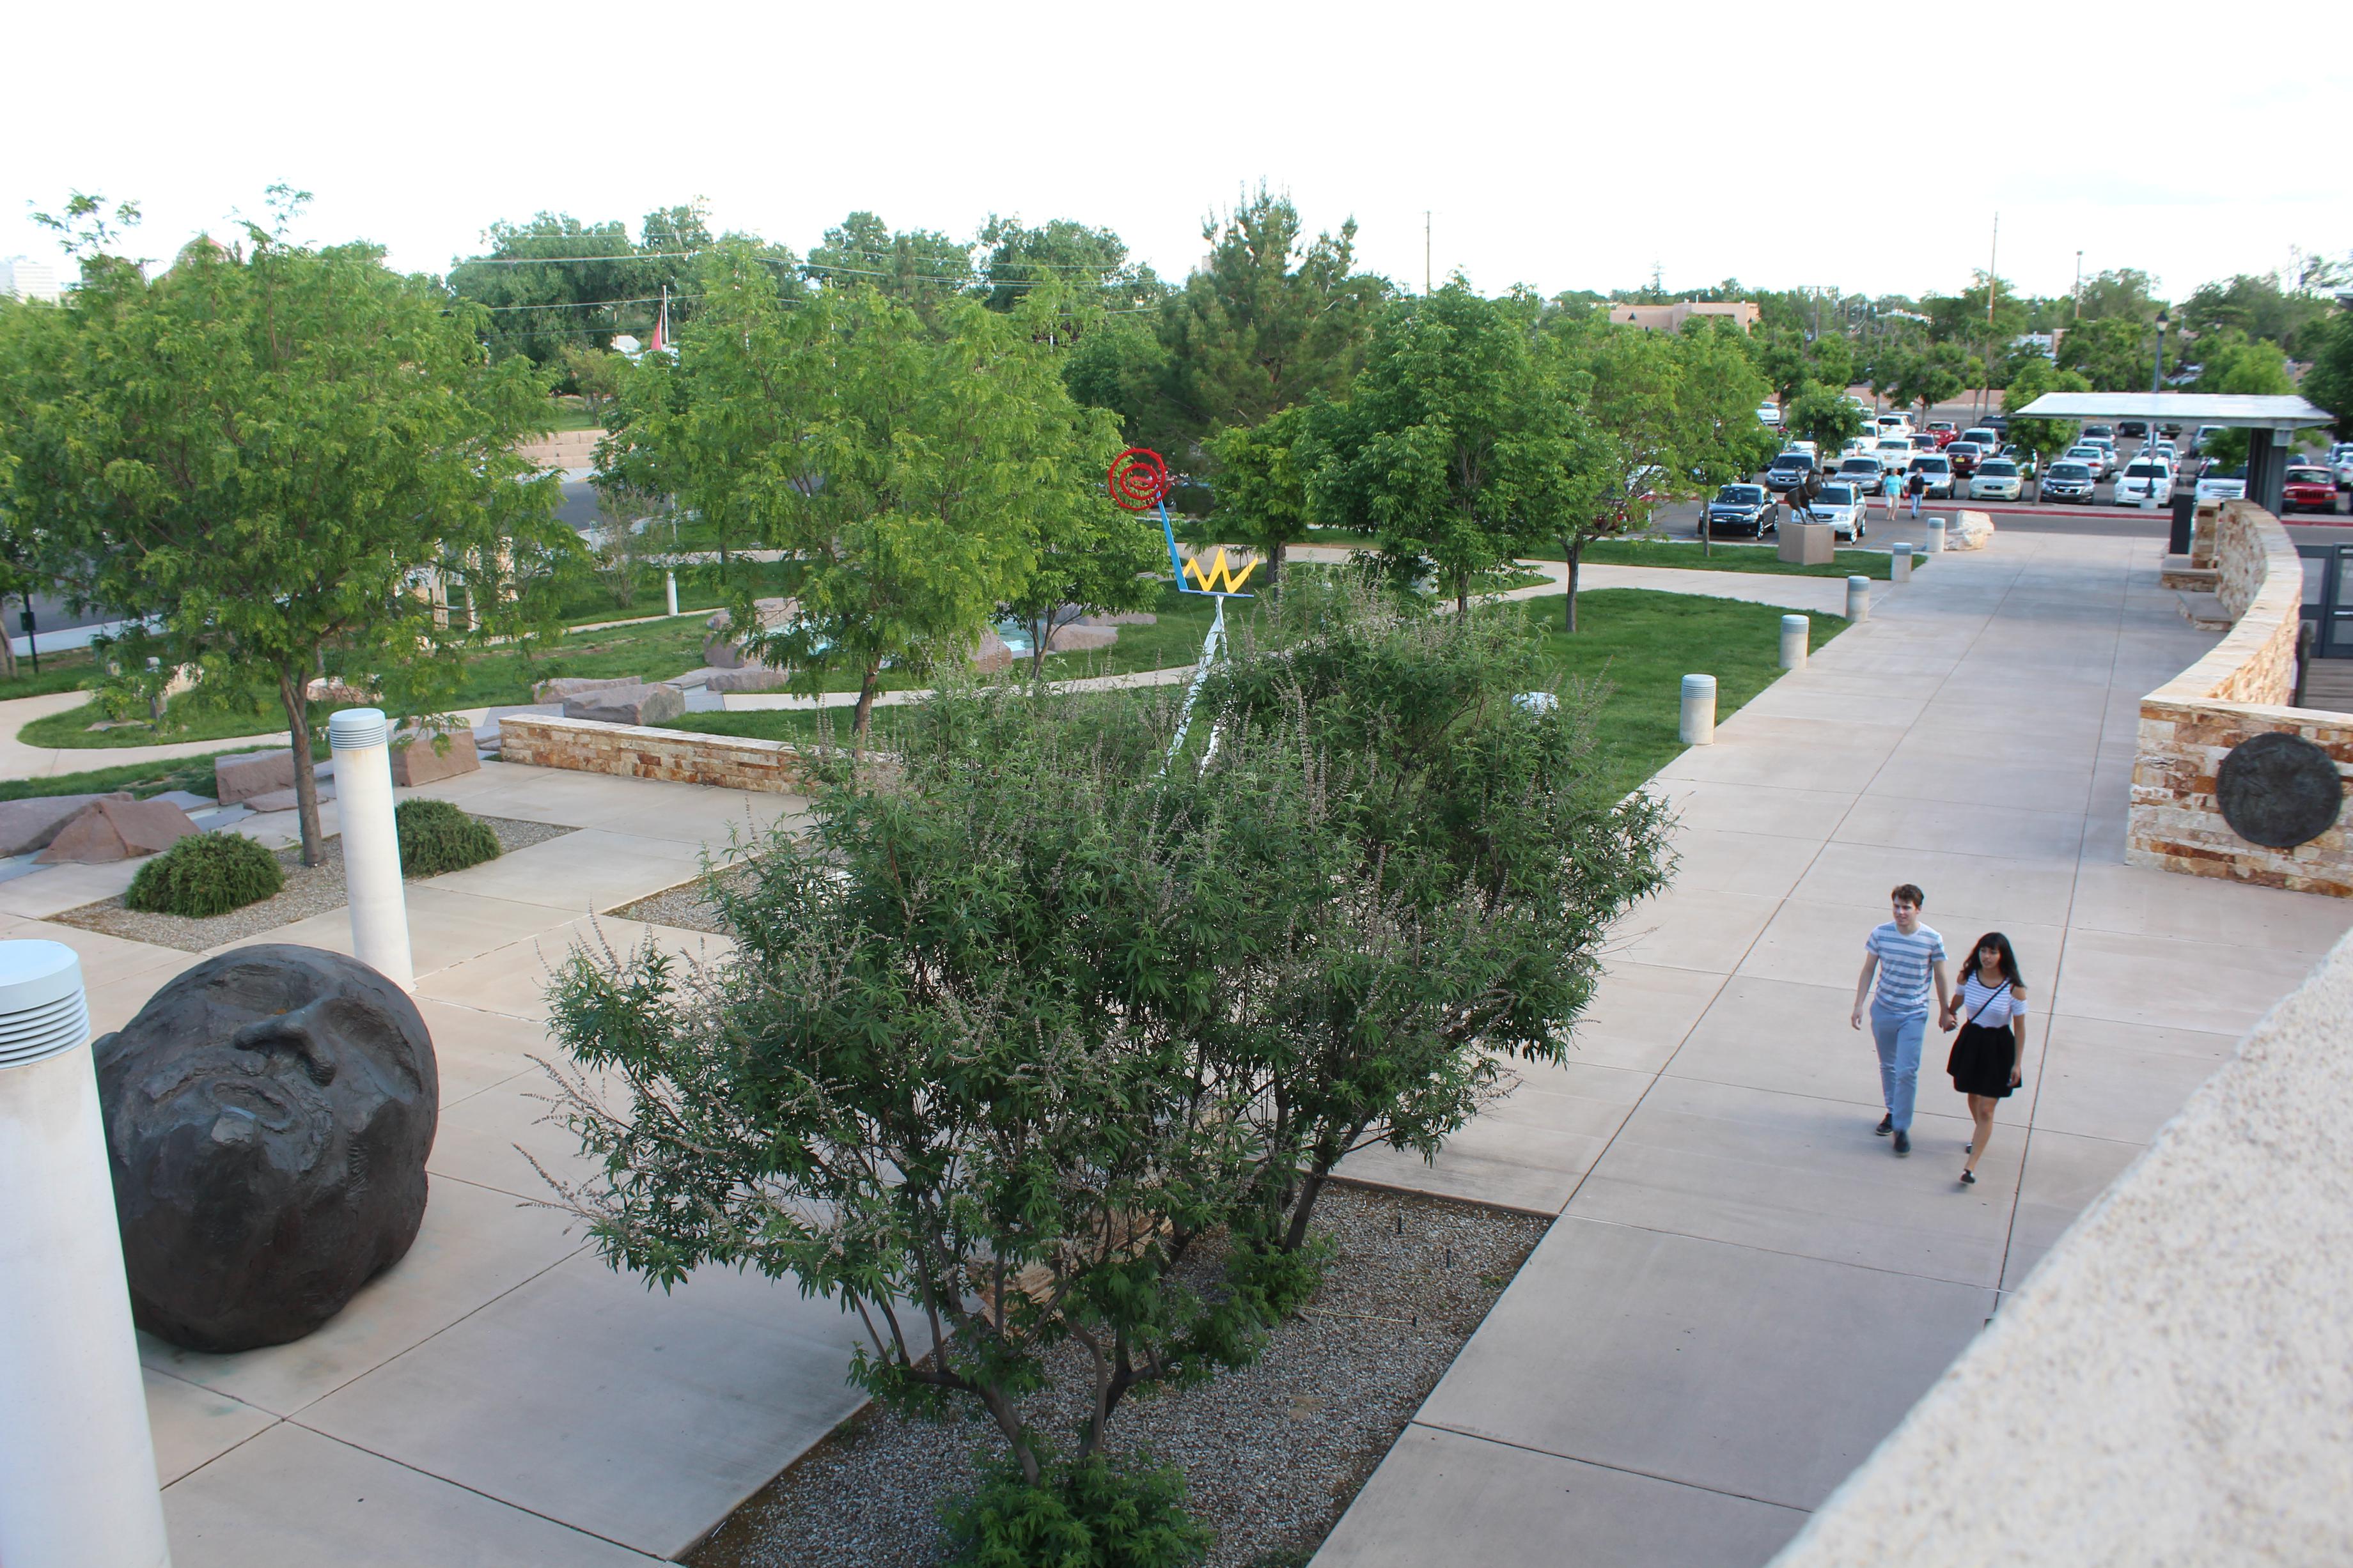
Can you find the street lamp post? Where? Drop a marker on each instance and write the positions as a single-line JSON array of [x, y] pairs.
[[2156, 373]]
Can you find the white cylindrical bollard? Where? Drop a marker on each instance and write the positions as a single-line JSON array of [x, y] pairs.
[[1794, 637], [1858, 598], [670, 586], [76, 1463], [360, 738], [1699, 711], [1899, 563], [1936, 536]]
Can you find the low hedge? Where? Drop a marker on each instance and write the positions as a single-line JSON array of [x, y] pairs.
[[206, 874], [436, 837]]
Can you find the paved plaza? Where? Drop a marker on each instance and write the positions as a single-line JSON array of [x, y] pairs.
[[1745, 1290]]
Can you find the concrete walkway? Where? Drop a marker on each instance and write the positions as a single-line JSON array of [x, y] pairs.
[[499, 1396], [1745, 1289]]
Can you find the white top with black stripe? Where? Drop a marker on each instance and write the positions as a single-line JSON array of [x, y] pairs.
[[1988, 1007]]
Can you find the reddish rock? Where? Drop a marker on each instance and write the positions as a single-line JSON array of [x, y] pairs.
[[751, 677], [417, 759], [990, 653], [1078, 639], [118, 830], [565, 687], [29, 825], [249, 774]]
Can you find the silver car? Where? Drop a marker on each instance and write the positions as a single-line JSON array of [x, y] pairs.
[[1996, 478], [1840, 505]]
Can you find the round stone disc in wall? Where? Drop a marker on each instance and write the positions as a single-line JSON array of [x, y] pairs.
[[2279, 790]]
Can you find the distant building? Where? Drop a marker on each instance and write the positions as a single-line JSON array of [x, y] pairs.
[[2044, 343], [23, 279], [1671, 318]]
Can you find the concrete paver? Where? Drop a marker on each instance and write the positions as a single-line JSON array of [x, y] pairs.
[[1744, 1291]]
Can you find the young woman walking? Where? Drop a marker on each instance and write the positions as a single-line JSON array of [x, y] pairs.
[[1986, 1054]]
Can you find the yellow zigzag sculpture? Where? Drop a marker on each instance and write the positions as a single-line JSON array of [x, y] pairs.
[[1221, 578]]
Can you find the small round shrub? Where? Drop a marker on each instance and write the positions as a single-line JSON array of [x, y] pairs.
[[206, 874], [1083, 1514], [436, 837]]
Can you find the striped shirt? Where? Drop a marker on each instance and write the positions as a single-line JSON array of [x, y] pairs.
[[1988, 1007], [1904, 966]]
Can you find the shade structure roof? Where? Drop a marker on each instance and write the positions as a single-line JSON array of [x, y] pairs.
[[2229, 409]]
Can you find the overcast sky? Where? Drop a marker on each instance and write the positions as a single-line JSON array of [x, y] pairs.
[[1562, 147]]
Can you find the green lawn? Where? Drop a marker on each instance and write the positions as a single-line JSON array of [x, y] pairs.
[[142, 779], [62, 671], [1723, 557], [570, 414], [71, 728], [1637, 641]]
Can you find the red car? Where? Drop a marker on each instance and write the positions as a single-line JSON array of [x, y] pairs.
[[1943, 430], [2308, 489], [1965, 456]]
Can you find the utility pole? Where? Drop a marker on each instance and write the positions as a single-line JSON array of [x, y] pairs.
[[1425, 252], [2077, 318], [1993, 286]]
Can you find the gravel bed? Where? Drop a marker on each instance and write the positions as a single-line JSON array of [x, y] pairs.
[[309, 890], [1272, 1454], [689, 905]]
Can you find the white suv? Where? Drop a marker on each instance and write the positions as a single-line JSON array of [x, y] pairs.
[[2151, 482], [2228, 485]]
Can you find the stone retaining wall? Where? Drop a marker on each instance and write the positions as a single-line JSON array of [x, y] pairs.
[[2240, 688], [638, 751]]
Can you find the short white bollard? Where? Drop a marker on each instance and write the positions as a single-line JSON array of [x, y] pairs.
[[1795, 634], [76, 1463], [1936, 536], [1899, 563], [1699, 711], [1858, 598], [360, 738], [670, 586]]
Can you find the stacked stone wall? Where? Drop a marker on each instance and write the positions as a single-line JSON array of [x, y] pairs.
[[2239, 689], [639, 751]]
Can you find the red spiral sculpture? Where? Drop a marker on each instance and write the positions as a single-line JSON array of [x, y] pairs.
[[1138, 479]]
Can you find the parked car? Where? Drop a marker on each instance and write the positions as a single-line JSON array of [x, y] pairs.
[[2100, 433], [1999, 424], [2136, 429], [1996, 478], [2150, 482], [2204, 440], [1841, 506], [1789, 468], [1895, 453], [2070, 479], [1988, 439], [1924, 442], [1742, 508], [2027, 467], [2340, 463], [1944, 430], [2308, 488], [1939, 471], [1864, 472], [1769, 412], [2109, 461], [1894, 423], [1809, 448], [2230, 484], [1964, 456]]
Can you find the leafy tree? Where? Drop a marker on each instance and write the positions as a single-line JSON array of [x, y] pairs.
[[1089, 264], [1118, 364], [2045, 439], [1267, 322], [1935, 374], [1825, 417], [2258, 306], [2237, 363], [1262, 479], [541, 287], [267, 455], [2112, 354], [2124, 294], [922, 268], [2329, 381], [1452, 440], [1961, 318], [911, 467], [596, 375]]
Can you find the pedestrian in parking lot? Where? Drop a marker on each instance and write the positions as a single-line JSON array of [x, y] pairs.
[[1894, 491], [1988, 1055], [1917, 488], [1904, 957]]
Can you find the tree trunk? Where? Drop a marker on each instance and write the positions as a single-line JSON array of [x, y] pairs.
[[293, 690], [858, 724], [1575, 553], [1274, 571], [8, 655]]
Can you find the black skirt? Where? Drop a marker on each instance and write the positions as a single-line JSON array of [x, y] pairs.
[[1982, 1060]]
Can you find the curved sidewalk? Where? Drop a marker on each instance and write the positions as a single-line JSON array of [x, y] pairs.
[[1744, 1291]]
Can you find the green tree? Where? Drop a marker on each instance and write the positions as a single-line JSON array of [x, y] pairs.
[[2232, 363], [543, 286], [1452, 440], [1089, 264], [2045, 439], [2121, 294], [596, 375], [2260, 308], [921, 269], [905, 465], [269, 455], [2112, 354], [1824, 416], [1267, 321], [2329, 381], [1937, 373], [1262, 486]]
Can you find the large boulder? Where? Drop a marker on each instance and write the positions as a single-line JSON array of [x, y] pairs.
[[249, 774], [724, 646], [628, 705], [991, 654], [751, 677], [1120, 618], [268, 1117], [564, 688], [421, 756], [118, 829], [1075, 637], [29, 824], [1969, 530]]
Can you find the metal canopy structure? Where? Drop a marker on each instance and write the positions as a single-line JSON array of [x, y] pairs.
[[2266, 460]]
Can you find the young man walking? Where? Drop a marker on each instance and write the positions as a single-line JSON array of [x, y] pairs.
[[1906, 956]]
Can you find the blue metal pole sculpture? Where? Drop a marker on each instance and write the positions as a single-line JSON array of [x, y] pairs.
[[1139, 479]]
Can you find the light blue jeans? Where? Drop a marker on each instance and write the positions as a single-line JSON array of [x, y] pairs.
[[1898, 1036]]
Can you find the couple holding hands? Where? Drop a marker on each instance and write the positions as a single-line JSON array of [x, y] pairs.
[[1906, 957]]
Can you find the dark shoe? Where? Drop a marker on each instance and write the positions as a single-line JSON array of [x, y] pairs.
[[1903, 1141], [1970, 1147], [1886, 1125], [1968, 1178]]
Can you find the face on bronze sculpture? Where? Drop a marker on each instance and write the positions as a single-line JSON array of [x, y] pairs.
[[269, 1114]]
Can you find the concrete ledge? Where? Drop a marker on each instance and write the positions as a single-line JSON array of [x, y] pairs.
[[2240, 690], [641, 752], [2171, 1384]]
